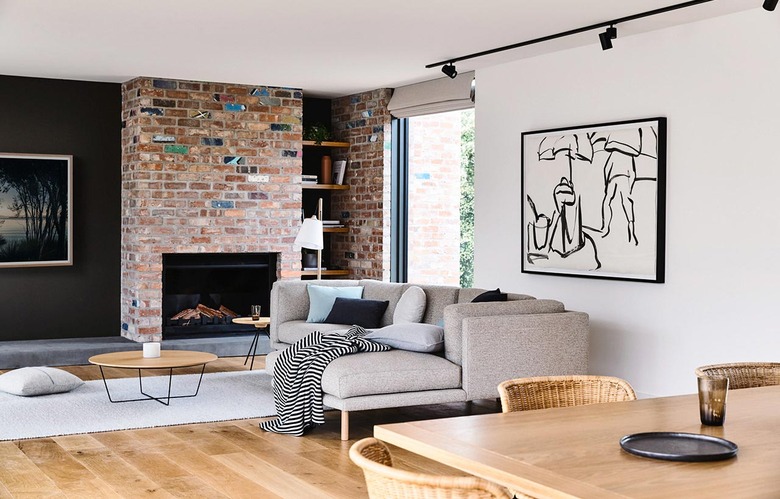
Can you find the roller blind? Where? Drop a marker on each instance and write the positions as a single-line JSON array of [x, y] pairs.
[[433, 96]]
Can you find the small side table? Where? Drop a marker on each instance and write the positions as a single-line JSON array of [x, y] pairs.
[[261, 326]]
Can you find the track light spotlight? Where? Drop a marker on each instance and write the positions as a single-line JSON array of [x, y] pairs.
[[449, 70], [770, 5], [607, 36]]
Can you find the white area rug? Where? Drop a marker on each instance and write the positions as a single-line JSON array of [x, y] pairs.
[[222, 396]]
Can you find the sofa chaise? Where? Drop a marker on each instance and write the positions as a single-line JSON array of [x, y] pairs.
[[484, 344]]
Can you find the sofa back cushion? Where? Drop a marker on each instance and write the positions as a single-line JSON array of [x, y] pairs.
[[384, 291], [438, 297]]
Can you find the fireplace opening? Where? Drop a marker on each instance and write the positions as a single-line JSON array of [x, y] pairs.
[[203, 291]]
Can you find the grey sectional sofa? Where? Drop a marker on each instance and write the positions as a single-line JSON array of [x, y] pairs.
[[484, 344]]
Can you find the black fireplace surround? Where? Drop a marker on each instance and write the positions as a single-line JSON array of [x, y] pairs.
[[233, 280]]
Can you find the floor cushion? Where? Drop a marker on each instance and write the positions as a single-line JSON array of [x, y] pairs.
[[31, 381]]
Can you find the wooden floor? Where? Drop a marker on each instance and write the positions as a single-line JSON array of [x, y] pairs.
[[214, 460]]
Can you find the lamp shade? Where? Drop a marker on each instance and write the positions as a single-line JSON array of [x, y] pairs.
[[310, 235]]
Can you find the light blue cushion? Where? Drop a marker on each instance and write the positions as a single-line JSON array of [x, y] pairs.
[[322, 298]]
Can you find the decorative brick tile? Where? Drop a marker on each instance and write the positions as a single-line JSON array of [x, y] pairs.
[[164, 102], [164, 83], [230, 106], [222, 204], [152, 111], [234, 160], [177, 149]]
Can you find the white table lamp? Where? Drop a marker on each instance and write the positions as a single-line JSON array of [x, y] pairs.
[[310, 237]]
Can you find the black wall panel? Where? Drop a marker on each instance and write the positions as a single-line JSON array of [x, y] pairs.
[[82, 119]]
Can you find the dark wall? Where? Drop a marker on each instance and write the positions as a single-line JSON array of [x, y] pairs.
[[82, 119]]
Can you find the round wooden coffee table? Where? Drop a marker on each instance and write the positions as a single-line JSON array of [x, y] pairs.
[[168, 359]]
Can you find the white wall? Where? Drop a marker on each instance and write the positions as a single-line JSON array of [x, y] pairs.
[[718, 83]]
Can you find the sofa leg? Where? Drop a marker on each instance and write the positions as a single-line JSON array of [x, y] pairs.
[[344, 425]]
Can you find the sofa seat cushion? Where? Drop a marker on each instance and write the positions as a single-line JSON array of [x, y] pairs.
[[395, 371], [292, 331]]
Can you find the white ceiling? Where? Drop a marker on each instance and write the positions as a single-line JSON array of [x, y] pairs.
[[328, 48]]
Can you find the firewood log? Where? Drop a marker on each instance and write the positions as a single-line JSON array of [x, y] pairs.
[[227, 311]]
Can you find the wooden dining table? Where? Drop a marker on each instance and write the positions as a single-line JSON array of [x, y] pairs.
[[575, 451]]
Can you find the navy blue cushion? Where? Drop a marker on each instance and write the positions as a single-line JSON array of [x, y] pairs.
[[494, 295], [365, 313]]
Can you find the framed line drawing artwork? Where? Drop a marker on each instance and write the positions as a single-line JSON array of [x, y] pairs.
[[593, 200], [36, 220]]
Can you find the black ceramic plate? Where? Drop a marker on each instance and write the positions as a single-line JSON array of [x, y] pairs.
[[678, 446]]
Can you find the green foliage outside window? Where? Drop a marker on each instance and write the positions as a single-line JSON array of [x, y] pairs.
[[467, 199]]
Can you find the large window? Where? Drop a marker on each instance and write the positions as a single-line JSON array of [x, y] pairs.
[[433, 198]]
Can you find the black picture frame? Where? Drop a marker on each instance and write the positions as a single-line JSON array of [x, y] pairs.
[[594, 200], [36, 219]]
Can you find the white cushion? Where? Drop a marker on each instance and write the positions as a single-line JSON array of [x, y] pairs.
[[29, 381], [411, 306], [412, 337]]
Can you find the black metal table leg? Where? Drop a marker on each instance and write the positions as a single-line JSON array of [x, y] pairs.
[[163, 400], [253, 348]]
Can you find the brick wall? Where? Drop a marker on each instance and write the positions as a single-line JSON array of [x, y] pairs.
[[206, 168], [364, 122], [434, 198]]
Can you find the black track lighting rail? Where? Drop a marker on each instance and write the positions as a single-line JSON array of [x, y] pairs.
[[576, 31]]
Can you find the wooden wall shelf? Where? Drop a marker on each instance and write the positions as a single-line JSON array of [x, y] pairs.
[[336, 230], [328, 273], [330, 187], [325, 144]]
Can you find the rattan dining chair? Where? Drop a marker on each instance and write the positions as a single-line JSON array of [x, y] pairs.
[[744, 374], [386, 482], [545, 392]]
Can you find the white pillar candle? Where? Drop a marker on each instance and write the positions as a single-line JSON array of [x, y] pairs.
[[151, 349]]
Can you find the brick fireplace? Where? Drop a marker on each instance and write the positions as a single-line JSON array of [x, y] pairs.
[[206, 168]]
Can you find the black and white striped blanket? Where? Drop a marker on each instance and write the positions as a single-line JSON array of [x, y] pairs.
[[298, 377]]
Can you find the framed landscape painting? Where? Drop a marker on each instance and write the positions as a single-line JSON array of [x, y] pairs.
[[36, 222], [593, 200]]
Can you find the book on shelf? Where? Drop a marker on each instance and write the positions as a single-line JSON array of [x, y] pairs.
[[339, 169], [331, 222], [314, 268], [309, 179]]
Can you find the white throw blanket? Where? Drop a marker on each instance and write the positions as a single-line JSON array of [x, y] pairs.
[[298, 377]]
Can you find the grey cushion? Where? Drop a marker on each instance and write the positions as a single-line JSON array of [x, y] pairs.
[[29, 381], [292, 331], [413, 337], [411, 306], [394, 371]]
